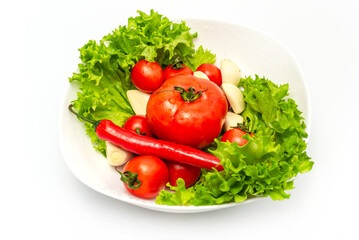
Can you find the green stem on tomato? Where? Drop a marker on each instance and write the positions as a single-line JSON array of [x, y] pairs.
[[189, 95], [177, 65], [243, 127], [139, 132], [130, 179]]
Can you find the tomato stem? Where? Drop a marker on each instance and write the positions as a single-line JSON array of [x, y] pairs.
[[243, 127], [177, 65], [130, 179], [189, 95], [139, 132]]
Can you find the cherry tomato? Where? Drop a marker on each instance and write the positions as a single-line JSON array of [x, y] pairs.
[[212, 71], [152, 172], [235, 135], [147, 76], [138, 124], [176, 69], [187, 110], [189, 174]]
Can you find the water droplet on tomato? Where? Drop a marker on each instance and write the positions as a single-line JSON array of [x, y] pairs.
[[172, 100]]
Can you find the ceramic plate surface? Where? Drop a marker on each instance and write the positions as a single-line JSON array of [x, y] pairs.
[[254, 51]]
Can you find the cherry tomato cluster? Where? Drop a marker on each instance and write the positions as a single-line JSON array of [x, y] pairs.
[[182, 109], [149, 76]]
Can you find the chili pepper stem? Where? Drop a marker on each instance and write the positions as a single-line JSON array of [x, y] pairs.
[[93, 122]]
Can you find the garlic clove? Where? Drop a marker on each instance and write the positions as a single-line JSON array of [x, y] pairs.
[[200, 74], [234, 96], [116, 156], [232, 121], [138, 101], [230, 72]]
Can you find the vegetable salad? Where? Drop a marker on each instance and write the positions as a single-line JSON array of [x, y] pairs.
[[272, 147]]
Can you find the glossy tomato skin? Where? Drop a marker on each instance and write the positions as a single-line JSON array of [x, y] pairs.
[[138, 122], [235, 135], [152, 172], [212, 71], [196, 123], [168, 72], [147, 76], [189, 174]]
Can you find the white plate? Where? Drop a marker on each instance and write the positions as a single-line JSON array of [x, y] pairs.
[[254, 51]]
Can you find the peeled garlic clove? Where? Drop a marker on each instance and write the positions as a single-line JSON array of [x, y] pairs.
[[200, 74], [232, 121], [116, 156], [230, 72], [138, 101], [234, 96]]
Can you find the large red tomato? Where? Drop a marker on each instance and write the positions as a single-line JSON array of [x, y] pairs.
[[187, 110]]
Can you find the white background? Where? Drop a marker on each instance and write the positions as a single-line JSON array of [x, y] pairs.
[[41, 199]]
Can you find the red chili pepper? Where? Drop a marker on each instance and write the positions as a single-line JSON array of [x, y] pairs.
[[143, 145]]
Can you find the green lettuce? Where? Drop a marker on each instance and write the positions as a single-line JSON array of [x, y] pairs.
[[200, 56], [105, 70], [266, 165]]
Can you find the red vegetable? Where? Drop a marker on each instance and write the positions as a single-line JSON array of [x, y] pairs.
[[147, 76], [176, 69], [187, 110], [138, 124], [152, 172], [212, 71], [143, 145], [235, 135], [188, 173]]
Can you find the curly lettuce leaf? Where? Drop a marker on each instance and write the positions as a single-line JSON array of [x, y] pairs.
[[200, 56], [267, 98], [266, 165], [154, 38], [105, 70]]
